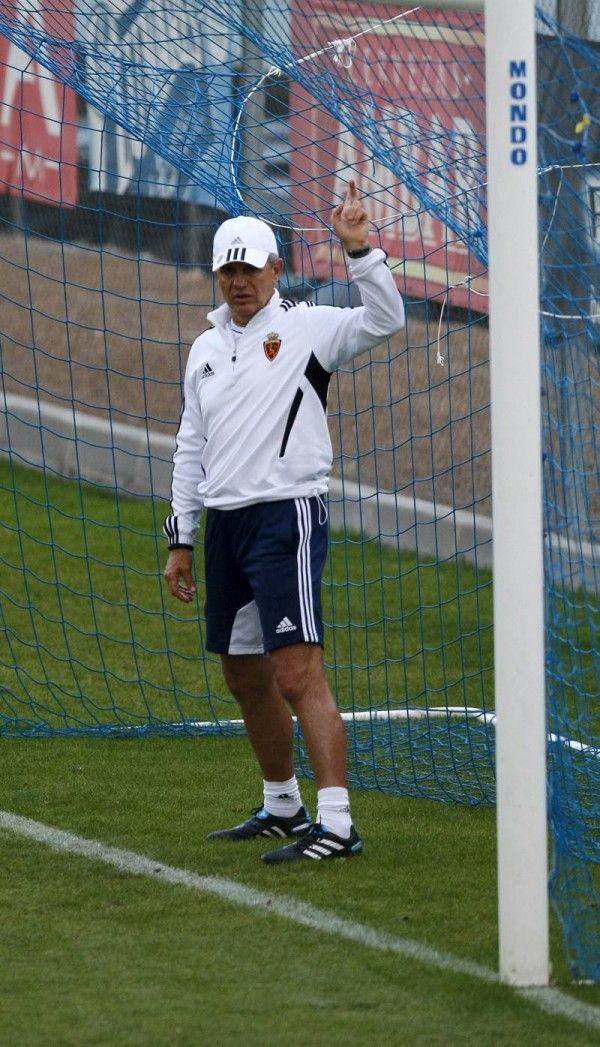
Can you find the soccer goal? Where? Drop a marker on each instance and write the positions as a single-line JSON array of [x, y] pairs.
[[462, 588]]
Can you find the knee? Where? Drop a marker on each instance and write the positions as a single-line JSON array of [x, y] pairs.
[[246, 678], [299, 672], [292, 681], [236, 683]]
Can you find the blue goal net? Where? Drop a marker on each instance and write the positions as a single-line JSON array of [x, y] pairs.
[[128, 131]]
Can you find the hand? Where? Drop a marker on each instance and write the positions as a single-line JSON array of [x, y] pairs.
[[178, 575], [350, 221]]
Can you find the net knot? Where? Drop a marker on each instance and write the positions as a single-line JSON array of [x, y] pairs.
[[344, 49]]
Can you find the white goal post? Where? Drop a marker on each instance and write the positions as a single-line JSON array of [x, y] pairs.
[[515, 376]]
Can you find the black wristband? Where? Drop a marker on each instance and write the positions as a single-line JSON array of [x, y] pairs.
[[362, 251], [181, 545]]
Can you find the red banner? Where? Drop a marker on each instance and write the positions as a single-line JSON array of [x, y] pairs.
[[421, 78], [38, 119]]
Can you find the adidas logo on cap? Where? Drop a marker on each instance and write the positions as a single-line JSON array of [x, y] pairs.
[[243, 239]]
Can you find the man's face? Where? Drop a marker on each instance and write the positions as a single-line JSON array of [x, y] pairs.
[[245, 289]]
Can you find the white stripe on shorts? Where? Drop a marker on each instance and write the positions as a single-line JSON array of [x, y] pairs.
[[305, 593]]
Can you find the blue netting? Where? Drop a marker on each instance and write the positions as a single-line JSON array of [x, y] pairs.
[[127, 133], [569, 155], [166, 75]]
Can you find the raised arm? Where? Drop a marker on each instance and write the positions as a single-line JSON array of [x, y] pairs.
[[341, 334]]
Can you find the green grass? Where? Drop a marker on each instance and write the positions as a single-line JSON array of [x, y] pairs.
[[90, 639], [84, 608], [93, 956]]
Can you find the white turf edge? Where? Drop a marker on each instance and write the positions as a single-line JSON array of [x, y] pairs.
[[551, 1001], [443, 712]]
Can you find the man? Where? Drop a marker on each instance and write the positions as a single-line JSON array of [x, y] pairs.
[[254, 449]]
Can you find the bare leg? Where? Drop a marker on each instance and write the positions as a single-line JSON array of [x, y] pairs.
[[300, 674], [268, 720]]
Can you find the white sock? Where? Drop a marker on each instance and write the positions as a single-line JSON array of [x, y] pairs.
[[282, 798], [333, 810]]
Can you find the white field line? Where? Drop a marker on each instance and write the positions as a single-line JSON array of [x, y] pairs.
[[551, 1001]]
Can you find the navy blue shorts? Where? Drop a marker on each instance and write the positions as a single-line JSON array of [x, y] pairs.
[[264, 565]]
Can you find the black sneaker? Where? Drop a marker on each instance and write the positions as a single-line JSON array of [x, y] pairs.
[[264, 824], [317, 844]]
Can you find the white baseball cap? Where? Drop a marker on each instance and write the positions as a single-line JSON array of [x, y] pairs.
[[243, 239]]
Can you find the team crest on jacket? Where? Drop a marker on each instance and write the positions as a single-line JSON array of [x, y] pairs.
[[272, 345]]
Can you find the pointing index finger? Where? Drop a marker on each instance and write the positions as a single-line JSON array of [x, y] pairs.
[[352, 191]]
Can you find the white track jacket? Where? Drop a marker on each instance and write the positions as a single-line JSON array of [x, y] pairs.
[[253, 426]]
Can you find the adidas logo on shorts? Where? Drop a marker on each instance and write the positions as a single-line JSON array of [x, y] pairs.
[[285, 626]]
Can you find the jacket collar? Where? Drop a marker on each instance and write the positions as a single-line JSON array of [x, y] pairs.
[[221, 316]]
